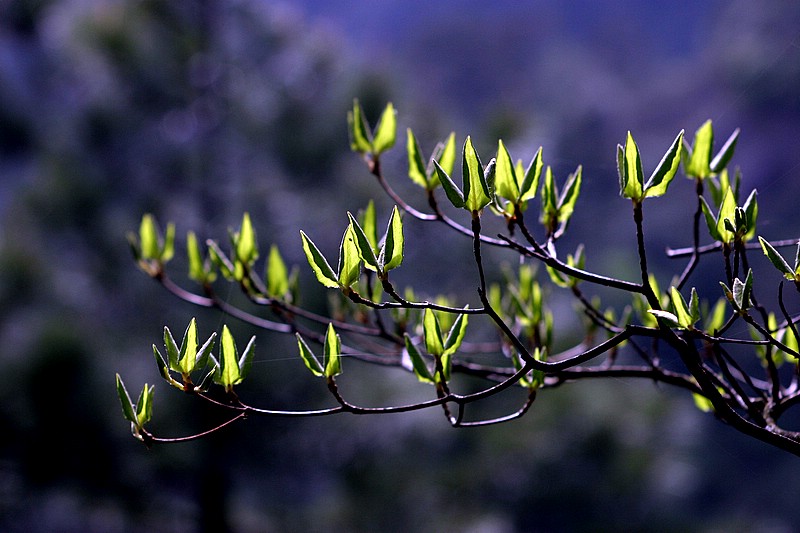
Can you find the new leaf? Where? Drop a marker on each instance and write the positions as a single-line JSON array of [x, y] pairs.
[[322, 270]]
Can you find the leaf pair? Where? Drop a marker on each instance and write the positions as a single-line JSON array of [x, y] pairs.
[[477, 182], [631, 175], [513, 182], [244, 252], [150, 249], [375, 142], [440, 347], [358, 245], [332, 351], [139, 413], [387, 255], [231, 369], [425, 175], [185, 359], [697, 160]]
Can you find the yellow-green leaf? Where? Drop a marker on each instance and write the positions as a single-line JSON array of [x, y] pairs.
[[277, 274], [392, 253], [333, 352], [322, 270], [385, 131], [699, 164], [416, 167]]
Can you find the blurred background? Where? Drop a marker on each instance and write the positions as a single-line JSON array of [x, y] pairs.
[[198, 110]]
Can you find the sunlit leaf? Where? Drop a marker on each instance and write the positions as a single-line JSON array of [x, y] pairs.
[[277, 274], [725, 154], [349, 259], [475, 186], [776, 259], [385, 131], [568, 197], [530, 183], [311, 362], [416, 167], [456, 334], [128, 409], [168, 252], [359, 133], [197, 270], [148, 238], [333, 351], [364, 245], [432, 332], [450, 189], [632, 170], [699, 164], [144, 405], [665, 171], [322, 270], [228, 373], [751, 213], [246, 361], [392, 253], [188, 351], [246, 245], [505, 177], [418, 364], [447, 159]]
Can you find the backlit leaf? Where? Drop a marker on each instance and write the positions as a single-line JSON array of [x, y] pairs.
[[416, 167], [432, 332], [349, 259], [476, 189], [725, 154], [311, 362], [333, 351], [450, 189], [418, 364], [277, 274], [393, 243], [364, 245], [699, 164], [665, 171], [322, 270], [359, 133], [385, 131], [505, 177]]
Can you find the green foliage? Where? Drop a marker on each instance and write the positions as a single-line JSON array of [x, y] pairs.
[[374, 142], [186, 359], [789, 272], [423, 175], [428, 337], [230, 369], [139, 413], [698, 161], [151, 249], [631, 176], [332, 350], [477, 181]]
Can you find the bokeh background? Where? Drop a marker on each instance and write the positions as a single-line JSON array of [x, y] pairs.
[[199, 110]]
